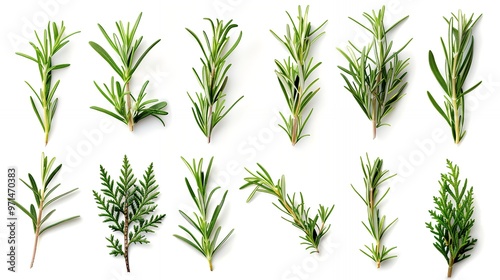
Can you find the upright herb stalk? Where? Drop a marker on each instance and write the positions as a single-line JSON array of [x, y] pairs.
[[374, 177], [375, 75], [209, 105], [298, 214], [129, 109], [43, 199], [202, 221], [45, 48], [128, 207], [452, 217], [295, 72], [458, 52]]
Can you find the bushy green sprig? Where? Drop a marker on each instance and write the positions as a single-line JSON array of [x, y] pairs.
[[292, 206], [204, 223], [374, 176], [209, 105], [128, 206], [44, 197], [458, 52], [53, 40], [452, 217], [128, 108], [375, 75], [294, 73]]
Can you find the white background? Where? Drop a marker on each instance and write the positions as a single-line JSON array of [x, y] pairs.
[[321, 166]]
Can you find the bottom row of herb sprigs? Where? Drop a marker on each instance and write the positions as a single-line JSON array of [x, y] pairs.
[[128, 205]]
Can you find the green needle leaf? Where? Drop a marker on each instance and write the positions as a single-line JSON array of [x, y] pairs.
[[438, 108], [58, 223]]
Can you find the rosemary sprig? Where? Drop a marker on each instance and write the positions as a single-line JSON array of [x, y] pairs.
[[298, 214], [45, 48], [209, 105], [128, 207], [452, 217], [458, 53], [294, 72], [375, 75], [202, 221], [129, 110], [374, 177], [43, 199]]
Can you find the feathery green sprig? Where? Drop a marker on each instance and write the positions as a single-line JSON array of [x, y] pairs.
[[43, 198], [294, 73], [374, 176], [129, 109], [204, 223], [45, 48], [128, 206], [375, 74], [452, 217], [209, 105], [292, 206], [458, 52]]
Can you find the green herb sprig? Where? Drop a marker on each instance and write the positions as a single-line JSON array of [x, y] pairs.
[[44, 197], [293, 206], [452, 218], [209, 105], [459, 52], [204, 223], [374, 176], [128, 206], [53, 40], [129, 109], [375, 74], [294, 72]]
